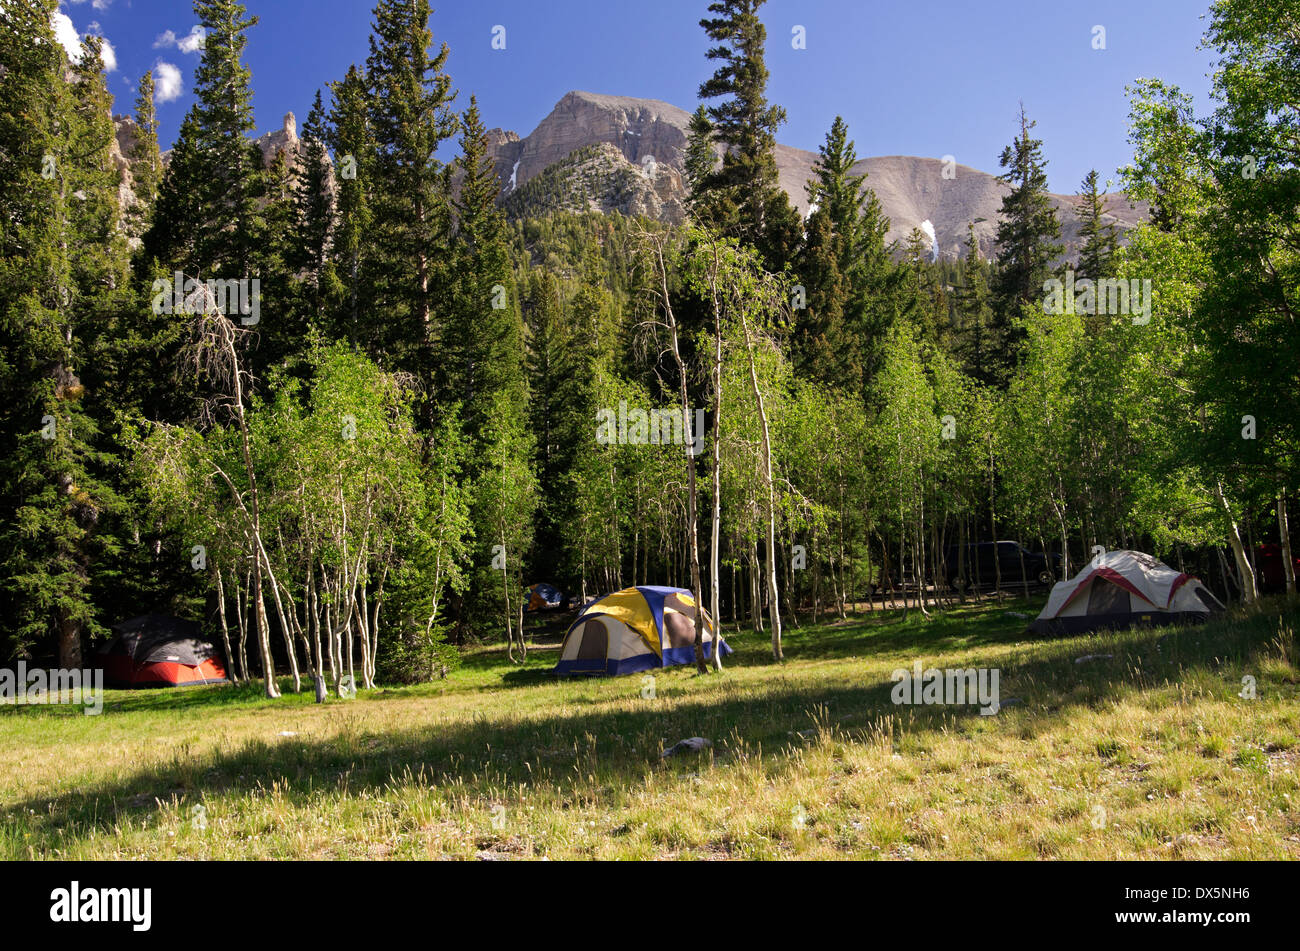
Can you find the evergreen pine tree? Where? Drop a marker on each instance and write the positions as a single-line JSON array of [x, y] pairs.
[[63, 253], [410, 113], [286, 335], [313, 209], [146, 160], [230, 182], [482, 342], [975, 311], [546, 364], [352, 253], [700, 162], [1098, 236], [874, 288], [172, 239], [751, 205], [835, 188], [818, 345], [1027, 244]]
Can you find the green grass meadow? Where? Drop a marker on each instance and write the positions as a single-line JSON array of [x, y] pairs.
[[1150, 753]]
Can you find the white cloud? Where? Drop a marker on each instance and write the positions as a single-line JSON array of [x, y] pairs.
[[70, 40], [186, 44], [194, 42], [166, 82], [66, 34], [109, 56], [100, 5]]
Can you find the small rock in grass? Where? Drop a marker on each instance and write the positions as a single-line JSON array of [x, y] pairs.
[[1087, 657], [692, 745], [288, 733]]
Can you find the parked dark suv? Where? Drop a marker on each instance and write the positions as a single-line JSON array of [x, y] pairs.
[[983, 560]]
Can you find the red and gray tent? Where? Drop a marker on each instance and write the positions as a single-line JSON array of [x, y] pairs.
[[158, 650], [1119, 589]]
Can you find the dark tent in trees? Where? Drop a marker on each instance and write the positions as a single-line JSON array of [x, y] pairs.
[[157, 650]]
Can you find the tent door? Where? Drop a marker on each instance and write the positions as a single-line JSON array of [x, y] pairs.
[[594, 646], [1107, 598]]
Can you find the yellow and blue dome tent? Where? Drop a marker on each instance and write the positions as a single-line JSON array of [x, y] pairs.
[[635, 629]]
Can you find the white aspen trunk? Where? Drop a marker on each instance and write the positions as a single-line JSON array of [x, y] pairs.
[[816, 578], [241, 615], [310, 647], [519, 617], [774, 606], [363, 627], [437, 579], [313, 611], [332, 632], [1284, 535], [790, 607], [692, 500], [715, 463], [505, 593], [225, 630], [842, 586], [264, 637], [296, 629], [343, 594], [285, 632], [374, 618], [902, 562], [360, 606], [352, 674], [993, 530], [918, 555], [871, 591], [1249, 593], [296, 626]]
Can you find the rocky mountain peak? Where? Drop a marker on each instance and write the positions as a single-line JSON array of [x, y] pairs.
[[284, 139], [640, 129], [914, 192]]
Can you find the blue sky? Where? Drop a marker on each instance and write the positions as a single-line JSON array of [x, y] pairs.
[[913, 77]]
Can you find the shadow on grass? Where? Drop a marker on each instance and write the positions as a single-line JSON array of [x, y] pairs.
[[616, 738]]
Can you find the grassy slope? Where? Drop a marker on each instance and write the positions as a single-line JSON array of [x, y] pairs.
[[1150, 754]]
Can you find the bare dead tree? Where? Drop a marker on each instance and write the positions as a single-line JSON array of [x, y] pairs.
[[214, 355]]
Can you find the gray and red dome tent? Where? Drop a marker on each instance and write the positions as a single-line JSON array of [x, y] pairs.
[[1119, 589], [157, 650]]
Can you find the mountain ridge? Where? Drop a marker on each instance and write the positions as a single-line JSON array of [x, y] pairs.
[[651, 136]]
